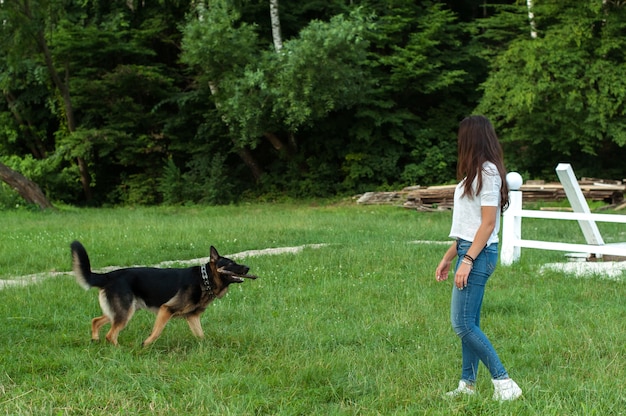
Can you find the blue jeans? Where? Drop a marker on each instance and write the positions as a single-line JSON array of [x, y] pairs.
[[465, 315]]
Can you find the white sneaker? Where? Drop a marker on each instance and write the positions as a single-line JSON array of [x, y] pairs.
[[463, 388], [505, 390]]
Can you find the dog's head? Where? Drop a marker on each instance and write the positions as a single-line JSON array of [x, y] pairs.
[[226, 271]]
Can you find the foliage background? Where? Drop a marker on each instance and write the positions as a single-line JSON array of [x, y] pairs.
[[188, 101]]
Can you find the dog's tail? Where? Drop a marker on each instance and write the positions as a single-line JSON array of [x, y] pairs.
[[82, 268]]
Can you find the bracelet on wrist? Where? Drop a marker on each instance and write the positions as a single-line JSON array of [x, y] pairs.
[[469, 263], [468, 257]]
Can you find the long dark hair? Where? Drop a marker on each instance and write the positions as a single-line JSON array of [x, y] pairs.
[[477, 144]]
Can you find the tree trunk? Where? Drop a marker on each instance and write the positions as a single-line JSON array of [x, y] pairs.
[[63, 87], [251, 162], [278, 46], [85, 178], [33, 142], [276, 35], [243, 153], [531, 19], [28, 189], [274, 140]]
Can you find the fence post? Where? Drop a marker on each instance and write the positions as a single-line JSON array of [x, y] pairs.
[[579, 204], [512, 221]]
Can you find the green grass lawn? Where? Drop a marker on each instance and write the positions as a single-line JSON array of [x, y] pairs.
[[356, 327]]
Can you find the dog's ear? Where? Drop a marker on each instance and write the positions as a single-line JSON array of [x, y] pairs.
[[214, 255]]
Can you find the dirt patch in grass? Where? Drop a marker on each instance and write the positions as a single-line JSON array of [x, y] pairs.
[[34, 278]]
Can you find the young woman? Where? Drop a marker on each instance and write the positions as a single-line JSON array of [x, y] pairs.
[[479, 199]]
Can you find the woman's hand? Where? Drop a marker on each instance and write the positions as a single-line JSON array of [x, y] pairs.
[[443, 269], [461, 275]]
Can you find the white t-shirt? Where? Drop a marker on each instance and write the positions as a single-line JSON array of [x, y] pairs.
[[466, 214]]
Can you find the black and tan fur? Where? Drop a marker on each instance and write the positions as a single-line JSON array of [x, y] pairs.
[[182, 292]]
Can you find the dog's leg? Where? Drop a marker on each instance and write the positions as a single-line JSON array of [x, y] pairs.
[[116, 326], [119, 322], [195, 326], [96, 324], [163, 316], [113, 333]]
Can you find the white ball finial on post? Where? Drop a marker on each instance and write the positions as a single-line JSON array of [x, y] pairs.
[[514, 180]]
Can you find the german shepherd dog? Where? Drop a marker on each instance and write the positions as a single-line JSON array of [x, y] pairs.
[[184, 292]]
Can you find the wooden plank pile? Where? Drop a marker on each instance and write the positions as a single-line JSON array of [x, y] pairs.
[[611, 192], [437, 198]]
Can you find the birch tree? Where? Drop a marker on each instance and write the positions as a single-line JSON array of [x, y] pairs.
[[531, 19], [275, 18]]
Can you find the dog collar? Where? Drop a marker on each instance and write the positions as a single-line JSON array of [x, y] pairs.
[[205, 278]]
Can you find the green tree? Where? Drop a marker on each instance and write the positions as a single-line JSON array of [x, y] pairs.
[[267, 96], [110, 70], [123, 62], [26, 77], [425, 75], [30, 23], [562, 96]]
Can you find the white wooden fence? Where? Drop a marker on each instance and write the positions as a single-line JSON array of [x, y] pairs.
[[512, 241]]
